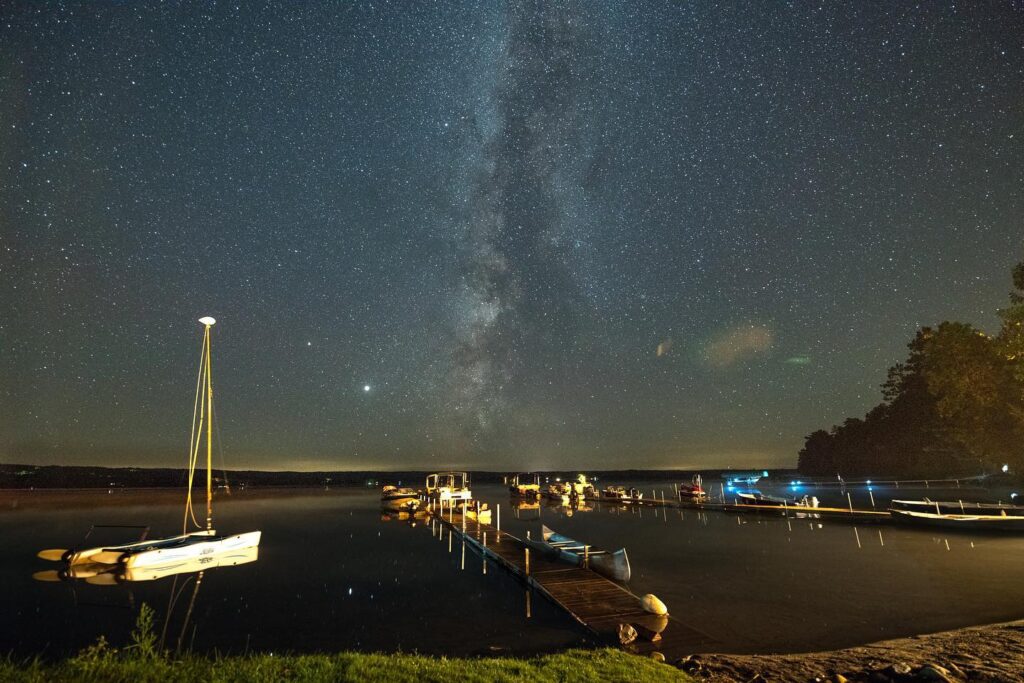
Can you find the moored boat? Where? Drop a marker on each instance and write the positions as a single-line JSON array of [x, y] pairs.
[[524, 485], [622, 494], [760, 499], [200, 544], [448, 486], [960, 522], [958, 507], [614, 565], [692, 492], [400, 499]]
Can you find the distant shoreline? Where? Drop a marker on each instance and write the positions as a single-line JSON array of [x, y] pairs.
[[73, 477]]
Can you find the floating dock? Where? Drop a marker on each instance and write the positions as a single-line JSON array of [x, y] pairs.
[[597, 603]]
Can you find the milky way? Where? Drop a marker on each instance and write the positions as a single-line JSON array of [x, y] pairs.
[[545, 234]]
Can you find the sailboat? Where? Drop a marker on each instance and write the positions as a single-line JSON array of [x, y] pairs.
[[202, 545]]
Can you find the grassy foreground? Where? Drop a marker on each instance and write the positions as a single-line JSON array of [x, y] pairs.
[[144, 660], [572, 665]]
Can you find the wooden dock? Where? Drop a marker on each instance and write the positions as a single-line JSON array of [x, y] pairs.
[[597, 603], [850, 514]]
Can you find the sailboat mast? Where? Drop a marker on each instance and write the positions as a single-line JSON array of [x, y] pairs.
[[209, 426]]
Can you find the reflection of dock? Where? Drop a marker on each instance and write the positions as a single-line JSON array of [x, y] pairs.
[[595, 602]]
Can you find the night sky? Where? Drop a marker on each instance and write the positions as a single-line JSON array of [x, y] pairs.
[[493, 235]]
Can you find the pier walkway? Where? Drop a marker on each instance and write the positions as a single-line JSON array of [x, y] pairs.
[[597, 603]]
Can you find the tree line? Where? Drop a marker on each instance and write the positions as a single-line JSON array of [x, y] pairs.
[[955, 406]]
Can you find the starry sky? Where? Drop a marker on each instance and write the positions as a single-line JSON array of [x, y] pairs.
[[496, 235]]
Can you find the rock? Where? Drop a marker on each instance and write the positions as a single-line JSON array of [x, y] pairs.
[[934, 672], [955, 670], [627, 634], [690, 663], [646, 633], [840, 678], [897, 670], [657, 656]]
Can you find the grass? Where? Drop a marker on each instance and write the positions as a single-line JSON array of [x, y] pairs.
[[142, 660]]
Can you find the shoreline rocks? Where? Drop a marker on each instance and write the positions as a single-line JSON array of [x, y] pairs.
[[982, 653]]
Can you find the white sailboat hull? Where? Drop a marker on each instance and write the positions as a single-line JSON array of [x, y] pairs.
[[194, 550]]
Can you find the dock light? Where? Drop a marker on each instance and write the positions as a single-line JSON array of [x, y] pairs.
[[1006, 468]]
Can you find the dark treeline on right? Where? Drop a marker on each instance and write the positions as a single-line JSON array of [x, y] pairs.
[[954, 407]]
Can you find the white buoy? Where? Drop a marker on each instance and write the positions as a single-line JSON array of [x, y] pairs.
[[652, 604]]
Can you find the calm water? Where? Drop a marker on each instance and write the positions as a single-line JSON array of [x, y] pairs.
[[332, 575]]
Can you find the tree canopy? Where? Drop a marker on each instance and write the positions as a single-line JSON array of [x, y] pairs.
[[954, 406]]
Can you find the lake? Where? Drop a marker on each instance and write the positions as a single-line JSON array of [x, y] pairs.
[[333, 574]]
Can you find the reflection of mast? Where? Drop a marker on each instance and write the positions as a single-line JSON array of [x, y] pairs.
[[188, 614], [172, 602]]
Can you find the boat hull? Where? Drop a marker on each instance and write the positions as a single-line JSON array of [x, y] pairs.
[[970, 523], [613, 565]]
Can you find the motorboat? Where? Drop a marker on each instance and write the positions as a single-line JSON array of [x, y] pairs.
[[524, 485], [400, 499], [748, 478], [692, 492], [622, 494], [760, 499], [449, 486]]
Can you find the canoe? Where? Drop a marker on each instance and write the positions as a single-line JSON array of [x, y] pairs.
[[1001, 523], [614, 565]]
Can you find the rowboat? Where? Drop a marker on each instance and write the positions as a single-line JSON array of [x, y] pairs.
[[968, 522], [958, 507], [198, 544], [614, 565]]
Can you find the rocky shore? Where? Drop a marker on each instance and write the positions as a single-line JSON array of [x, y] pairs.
[[983, 653]]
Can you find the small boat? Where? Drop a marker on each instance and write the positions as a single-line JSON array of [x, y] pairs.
[[749, 478], [479, 513], [692, 492], [400, 499], [558, 492], [614, 565], [524, 485], [958, 507], [760, 499], [448, 486], [622, 494], [968, 522], [200, 544]]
